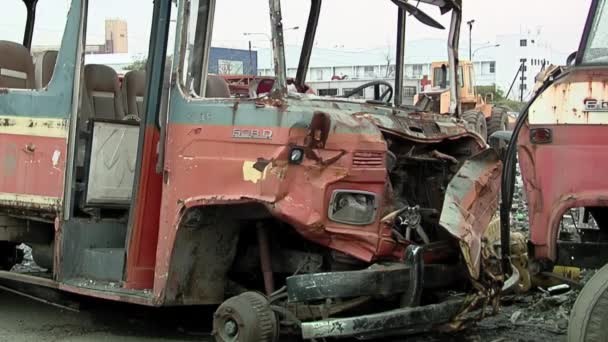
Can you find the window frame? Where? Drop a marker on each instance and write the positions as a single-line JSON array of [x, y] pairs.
[[591, 19], [186, 61], [328, 90], [407, 91]]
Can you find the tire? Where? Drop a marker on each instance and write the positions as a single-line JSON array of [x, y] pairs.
[[476, 122], [589, 316], [245, 318], [499, 121]]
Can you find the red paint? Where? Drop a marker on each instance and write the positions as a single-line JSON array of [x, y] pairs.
[[26, 165], [204, 165], [567, 173], [141, 254]]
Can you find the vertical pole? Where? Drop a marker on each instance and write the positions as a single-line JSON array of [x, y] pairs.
[[471, 41], [278, 47], [523, 80], [400, 57], [250, 60], [470, 23]]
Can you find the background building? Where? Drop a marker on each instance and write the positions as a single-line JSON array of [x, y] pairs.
[[233, 61], [222, 61], [496, 64], [117, 39]]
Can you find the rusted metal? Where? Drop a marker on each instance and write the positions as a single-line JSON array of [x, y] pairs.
[[280, 69], [13, 229], [471, 201], [389, 323], [377, 280], [414, 260], [564, 109], [265, 259], [323, 311]]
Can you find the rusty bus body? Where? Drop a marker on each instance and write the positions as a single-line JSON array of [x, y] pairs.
[[563, 132], [201, 198], [560, 141]]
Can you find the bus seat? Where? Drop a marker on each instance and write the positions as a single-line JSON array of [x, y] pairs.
[[103, 91], [133, 90], [217, 87], [16, 66]]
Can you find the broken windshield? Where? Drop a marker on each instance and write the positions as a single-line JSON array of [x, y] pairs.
[[596, 50], [12, 21]]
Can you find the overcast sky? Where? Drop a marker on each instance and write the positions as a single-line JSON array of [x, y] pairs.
[[347, 24]]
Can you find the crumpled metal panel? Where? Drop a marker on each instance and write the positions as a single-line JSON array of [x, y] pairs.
[[471, 201], [421, 127]]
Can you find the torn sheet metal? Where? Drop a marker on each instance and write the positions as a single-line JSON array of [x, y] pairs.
[[471, 200]]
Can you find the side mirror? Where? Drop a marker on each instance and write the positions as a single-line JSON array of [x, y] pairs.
[[571, 58], [499, 141]]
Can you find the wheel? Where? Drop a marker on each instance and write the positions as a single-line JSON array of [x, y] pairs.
[[499, 121], [9, 255], [589, 317], [245, 318], [476, 122]]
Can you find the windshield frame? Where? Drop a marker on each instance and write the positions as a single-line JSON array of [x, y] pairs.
[[452, 42], [595, 6]]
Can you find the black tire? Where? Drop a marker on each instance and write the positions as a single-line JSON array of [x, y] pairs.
[[476, 122], [245, 318], [589, 316], [499, 121]]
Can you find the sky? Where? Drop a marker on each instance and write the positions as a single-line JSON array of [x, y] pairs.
[[344, 24]]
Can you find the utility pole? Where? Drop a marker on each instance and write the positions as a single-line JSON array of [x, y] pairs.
[[250, 60], [523, 79], [269, 37], [470, 23]]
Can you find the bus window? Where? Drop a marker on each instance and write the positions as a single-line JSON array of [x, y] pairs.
[[596, 51], [12, 21], [225, 48]]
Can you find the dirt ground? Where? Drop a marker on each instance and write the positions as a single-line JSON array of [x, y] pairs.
[[22, 319], [25, 320]]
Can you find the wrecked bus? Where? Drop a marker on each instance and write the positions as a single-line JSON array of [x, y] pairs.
[[560, 144], [298, 214]]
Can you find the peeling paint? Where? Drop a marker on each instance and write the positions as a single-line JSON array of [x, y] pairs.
[[55, 158], [251, 173]]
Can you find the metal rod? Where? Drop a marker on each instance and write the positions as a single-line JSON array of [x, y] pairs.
[[307, 45], [265, 259], [454, 37], [514, 79], [278, 47], [29, 24], [400, 57]]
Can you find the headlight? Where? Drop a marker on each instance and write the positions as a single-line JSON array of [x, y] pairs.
[[352, 207]]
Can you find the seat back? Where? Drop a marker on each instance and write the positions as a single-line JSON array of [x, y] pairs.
[[133, 91], [217, 87], [103, 91], [16, 66], [44, 64]]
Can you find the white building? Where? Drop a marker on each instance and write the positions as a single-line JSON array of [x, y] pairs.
[[494, 65], [529, 48]]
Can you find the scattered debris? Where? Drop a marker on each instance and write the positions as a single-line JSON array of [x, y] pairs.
[[28, 265]]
